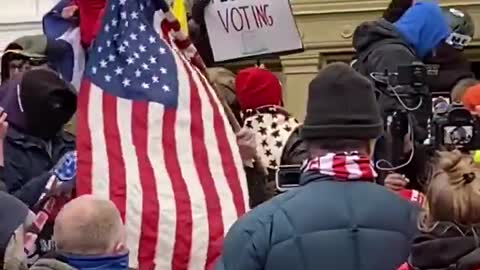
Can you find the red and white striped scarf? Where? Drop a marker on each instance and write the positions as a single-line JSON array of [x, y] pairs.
[[350, 166]]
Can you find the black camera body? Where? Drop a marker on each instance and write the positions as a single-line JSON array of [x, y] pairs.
[[456, 127], [414, 75]]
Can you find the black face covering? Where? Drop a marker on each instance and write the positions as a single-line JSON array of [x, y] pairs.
[[48, 103]]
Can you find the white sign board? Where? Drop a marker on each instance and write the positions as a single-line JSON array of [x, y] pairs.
[[246, 28]]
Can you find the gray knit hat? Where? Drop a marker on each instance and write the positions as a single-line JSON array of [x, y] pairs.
[[341, 104]]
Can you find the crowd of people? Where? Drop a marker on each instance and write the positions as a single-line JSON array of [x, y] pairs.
[[347, 210]]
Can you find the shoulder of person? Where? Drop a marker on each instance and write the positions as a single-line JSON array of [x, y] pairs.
[[262, 216]]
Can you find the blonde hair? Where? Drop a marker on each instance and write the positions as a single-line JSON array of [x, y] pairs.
[[453, 194], [460, 88]]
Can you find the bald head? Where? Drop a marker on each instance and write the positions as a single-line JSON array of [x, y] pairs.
[[89, 226]]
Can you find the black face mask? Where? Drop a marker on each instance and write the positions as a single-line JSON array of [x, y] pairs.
[[48, 117], [48, 104]]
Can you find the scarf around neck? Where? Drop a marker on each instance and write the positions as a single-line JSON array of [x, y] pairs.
[[347, 166], [119, 262]]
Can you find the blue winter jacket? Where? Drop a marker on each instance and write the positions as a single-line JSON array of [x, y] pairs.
[[323, 225]]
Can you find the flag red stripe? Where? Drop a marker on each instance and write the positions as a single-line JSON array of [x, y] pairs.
[[150, 203], [84, 143], [339, 166], [228, 163], [116, 164], [183, 228], [212, 200]]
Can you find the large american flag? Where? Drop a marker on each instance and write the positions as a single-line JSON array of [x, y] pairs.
[[153, 137]]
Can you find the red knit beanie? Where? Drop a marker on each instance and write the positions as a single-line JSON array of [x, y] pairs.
[[257, 87], [471, 98]]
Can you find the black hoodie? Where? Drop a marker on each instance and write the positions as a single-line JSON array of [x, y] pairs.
[[447, 247], [379, 48]]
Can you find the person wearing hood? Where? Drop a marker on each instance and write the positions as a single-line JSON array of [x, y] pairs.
[[38, 104], [447, 60], [16, 219], [449, 226], [338, 218], [382, 47], [23, 54], [89, 234], [36, 150], [259, 95]]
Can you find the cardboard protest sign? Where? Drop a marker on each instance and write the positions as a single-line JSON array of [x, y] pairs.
[[246, 28]]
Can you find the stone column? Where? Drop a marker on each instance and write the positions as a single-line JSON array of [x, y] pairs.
[[298, 71]]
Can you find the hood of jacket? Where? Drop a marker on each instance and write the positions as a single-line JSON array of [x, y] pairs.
[[37, 95], [26, 46], [50, 264], [9, 102], [445, 246], [369, 35], [423, 27]]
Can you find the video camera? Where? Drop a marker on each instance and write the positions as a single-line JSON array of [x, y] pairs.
[[453, 126], [447, 125]]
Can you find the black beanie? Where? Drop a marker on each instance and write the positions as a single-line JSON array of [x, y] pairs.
[[13, 213], [341, 104]]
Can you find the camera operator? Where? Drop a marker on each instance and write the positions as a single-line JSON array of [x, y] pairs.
[[447, 63], [396, 50], [382, 47]]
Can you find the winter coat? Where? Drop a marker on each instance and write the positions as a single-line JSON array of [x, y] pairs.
[[324, 224], [447, 247], [278, 140], [28, 161]]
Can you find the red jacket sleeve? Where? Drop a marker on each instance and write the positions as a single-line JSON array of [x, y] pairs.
[[91, 14]]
